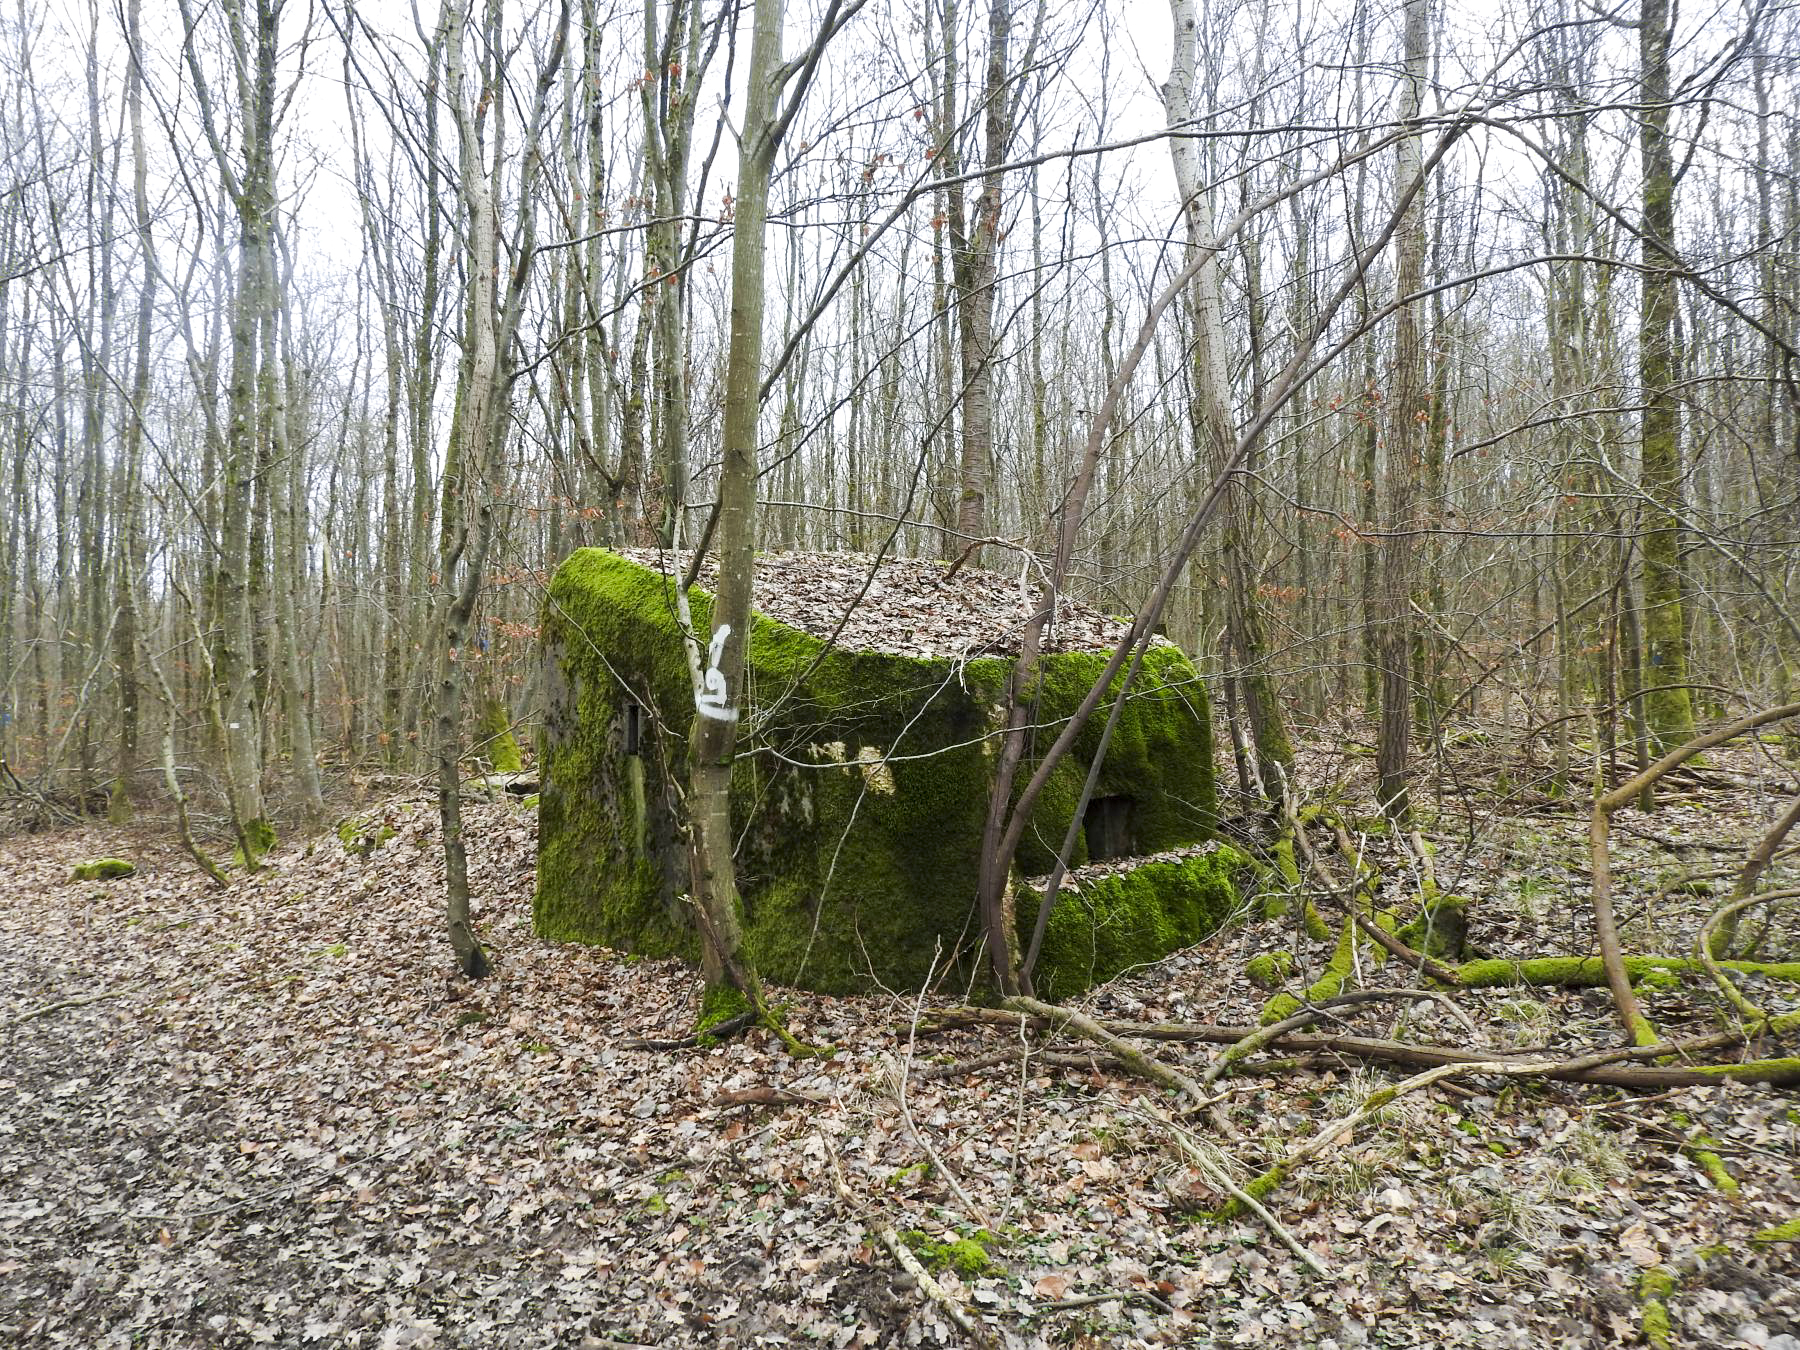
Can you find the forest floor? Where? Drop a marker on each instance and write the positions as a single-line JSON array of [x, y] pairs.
[[266, 1116]]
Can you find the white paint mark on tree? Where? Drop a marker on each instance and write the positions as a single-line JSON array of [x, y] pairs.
[[712, 699]]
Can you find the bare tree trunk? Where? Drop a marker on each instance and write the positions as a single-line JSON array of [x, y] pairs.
[[1668, 706], [483, 412], [1407, 424], [1210, 412], [717, 703], [252, 194]]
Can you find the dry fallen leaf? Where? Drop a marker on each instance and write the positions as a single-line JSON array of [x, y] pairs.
[[1635, 1243]]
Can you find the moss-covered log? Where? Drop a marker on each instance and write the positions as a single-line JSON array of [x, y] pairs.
[[1585, 972], [103, 869]]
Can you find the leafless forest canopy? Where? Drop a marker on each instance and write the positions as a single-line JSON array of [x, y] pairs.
[[1451, 348]]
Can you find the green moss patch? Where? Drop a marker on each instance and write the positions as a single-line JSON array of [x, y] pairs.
[[1781, 1232], [1440, 929], [497, 742], [362, 835], [719, 1004], [966, 1254], [103, 869], [1270, 970], [1339, 972], [1655, 1287]]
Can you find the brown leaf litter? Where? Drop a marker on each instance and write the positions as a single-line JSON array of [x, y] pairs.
[[287, 1127]]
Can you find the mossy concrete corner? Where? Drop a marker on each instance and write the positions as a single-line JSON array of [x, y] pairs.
[[858, 794], [1100, 928]]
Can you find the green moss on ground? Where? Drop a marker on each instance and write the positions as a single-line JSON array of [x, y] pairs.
[[1655, 1287], [1781, 1232], [1270, 970], [853, 868], [103, 869], [967, 1254], [1703, 1149], [362, 835]]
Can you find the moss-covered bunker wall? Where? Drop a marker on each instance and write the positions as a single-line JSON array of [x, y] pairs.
[[859, 792]]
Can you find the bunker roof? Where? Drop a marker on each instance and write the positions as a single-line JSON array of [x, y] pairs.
[[902, 606]]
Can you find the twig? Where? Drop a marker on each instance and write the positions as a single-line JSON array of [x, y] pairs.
[[923, 1144], [1598, 1066], [1135, 1059], [1116, 1296], [66, 1003], [903, 1255], [997, 1059], [1218, 1176], [719, 1031]]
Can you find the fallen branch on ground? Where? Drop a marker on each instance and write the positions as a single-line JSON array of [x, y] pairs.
[[63, 1006], [1612, 955], [1609, 1066], [1197, 1153], [1136, 1060], [903, 1255]]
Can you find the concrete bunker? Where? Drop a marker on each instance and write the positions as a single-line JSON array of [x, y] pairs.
[[872, 712]]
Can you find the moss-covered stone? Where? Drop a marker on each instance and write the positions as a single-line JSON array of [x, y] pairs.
[[103, 869], [1270, 970], [858, 795]]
